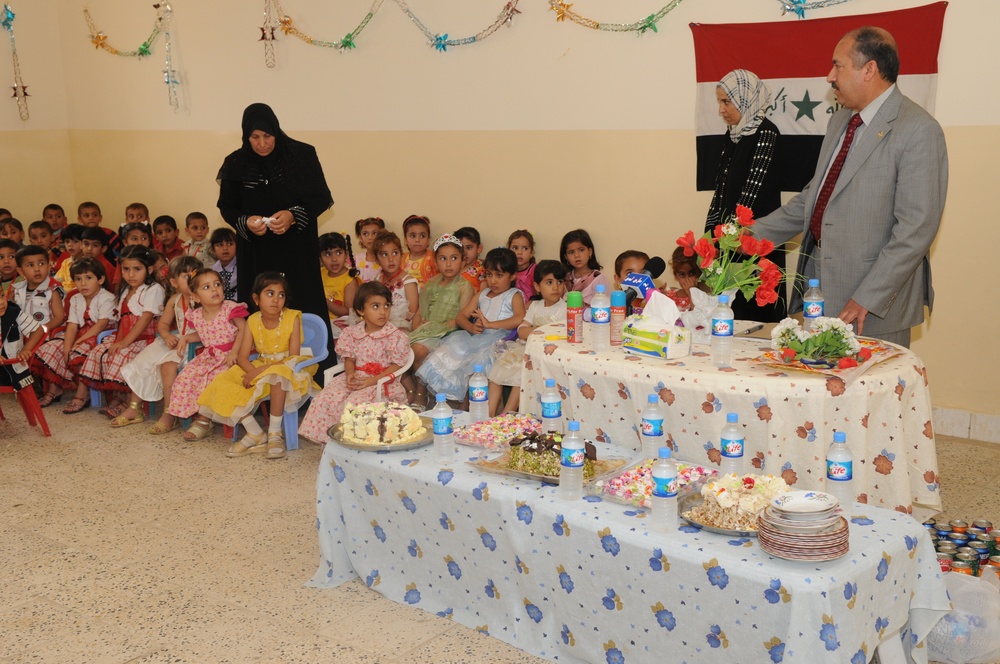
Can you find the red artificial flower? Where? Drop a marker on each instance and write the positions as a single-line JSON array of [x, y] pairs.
[[865, 354], [847, 363], [748, 483], [765, 295], [749, 244], [744, 215], [787, 354], [706, 250], [687, 242], [766, 247], [770, 274], [718, 231]]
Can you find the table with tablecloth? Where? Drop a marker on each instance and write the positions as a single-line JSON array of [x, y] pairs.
[[788, 416], [584, 581]]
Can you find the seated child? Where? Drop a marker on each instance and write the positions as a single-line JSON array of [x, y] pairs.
[[472, 246], [38, 295], [583, 272], [199, 246], [687, 273], [72, 243], [165, 230], [93, 246], [367, 261], [151, 374], [139, 303], [418, 262], [336, 259], [8, 266], [522, 243], [492, 316], [15, 327], [550, 284], [405, 298], [40, 235], [370, 349], [275, 333], [136, 232], [442, 298], [628, 262], [12, 229], [54, 215], [91, 310], [223, 243], [89, 215]]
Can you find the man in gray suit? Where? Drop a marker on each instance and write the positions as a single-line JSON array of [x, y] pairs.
[[870, 213]]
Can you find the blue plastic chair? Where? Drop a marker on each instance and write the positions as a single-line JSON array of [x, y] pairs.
[[315, 332]]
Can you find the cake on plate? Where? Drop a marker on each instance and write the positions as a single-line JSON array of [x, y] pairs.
[[635, 485], [381, 424], [732, 501], [497, 431], [539, 454]]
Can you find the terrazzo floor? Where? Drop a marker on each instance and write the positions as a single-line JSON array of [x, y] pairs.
[[122, 547]]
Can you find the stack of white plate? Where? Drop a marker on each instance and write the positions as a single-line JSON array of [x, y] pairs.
[[803, 525]]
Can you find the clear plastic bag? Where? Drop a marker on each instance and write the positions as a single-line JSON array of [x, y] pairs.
[[970, 634]]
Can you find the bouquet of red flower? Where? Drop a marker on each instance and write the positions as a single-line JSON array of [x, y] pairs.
[[732, 258]]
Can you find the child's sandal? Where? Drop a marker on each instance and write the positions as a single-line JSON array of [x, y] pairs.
[[248, 444], [275, 445], [121, 421], [199, 430], [76, 405], [48, 399]]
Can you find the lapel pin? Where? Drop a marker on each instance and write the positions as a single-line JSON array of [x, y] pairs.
[[881, 134]]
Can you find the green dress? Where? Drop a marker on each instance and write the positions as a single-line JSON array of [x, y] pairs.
[[439, 304]]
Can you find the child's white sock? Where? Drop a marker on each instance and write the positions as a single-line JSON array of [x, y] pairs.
[[275, 425], [250, 424]]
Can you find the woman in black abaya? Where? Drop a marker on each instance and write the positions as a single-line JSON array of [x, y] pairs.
[[271, 191]]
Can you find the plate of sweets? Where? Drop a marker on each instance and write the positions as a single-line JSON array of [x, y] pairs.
[[537, 456], [634, 485], [496, 432], [382, 427], [729, 504]]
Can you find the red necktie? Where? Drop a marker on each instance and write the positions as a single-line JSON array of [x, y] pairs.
[[816, 223]]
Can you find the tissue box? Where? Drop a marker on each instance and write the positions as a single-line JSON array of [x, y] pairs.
[[647, 336]]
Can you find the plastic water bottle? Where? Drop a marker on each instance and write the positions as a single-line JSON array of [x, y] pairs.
[[732, 444], [551, 407], [479, 395], [653, 437], [600, 316], [840, 470], [617, 316], [444, 439], [722, 333], [813, 305], [571, 464], [664, 500]]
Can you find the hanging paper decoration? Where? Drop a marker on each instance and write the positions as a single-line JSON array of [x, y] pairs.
[[20, 89], [799, 7], [161, 25], [564, 12], [345, 44], [267, 35]]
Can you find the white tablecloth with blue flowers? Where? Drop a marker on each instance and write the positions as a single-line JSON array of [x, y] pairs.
[[789, 416], [584, 581]]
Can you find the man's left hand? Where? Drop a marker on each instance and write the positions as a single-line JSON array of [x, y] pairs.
[[854, 313]]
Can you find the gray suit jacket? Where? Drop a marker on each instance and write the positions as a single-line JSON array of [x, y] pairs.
[[882, 217]]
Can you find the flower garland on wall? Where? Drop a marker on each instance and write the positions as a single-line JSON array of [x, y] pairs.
[[20, 89], [161, 25], [563, 12]]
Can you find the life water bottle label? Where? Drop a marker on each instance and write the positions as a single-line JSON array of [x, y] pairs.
[[839, 471], [722, 327], [600, 315], [572, 458], [732, 447], [478, 394], [551, 409], [665, 487], [441, 426], [652, 427], [813, 309]]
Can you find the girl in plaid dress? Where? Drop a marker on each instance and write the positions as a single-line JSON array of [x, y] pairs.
[[139, 304]]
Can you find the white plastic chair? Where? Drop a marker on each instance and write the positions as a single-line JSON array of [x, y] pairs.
[[379, 386]]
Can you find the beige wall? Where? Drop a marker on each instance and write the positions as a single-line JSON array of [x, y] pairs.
[[544, 126]]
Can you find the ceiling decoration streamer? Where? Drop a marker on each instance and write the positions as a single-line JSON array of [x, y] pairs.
[[799, 7], [20, 89], [161, 25]]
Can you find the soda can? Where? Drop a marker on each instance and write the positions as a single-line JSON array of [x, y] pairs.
[[983, 550], [987, 539], [930, 521], [945, 561], [961, 567], [958, 526], [947, 547], [995, 561], [970, 558], [931, 528], [972, 532], [987, 526], [943, 530], [960, 539]]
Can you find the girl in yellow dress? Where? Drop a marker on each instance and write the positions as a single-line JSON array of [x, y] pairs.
[[233, 396]]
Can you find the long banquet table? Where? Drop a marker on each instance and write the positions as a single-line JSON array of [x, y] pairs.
[[789, 416], [584, 581]]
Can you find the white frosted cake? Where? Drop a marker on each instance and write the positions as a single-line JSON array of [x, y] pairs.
[[732, 502], [381, 424]]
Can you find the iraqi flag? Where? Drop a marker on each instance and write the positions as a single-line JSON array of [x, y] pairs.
[[794, 58]]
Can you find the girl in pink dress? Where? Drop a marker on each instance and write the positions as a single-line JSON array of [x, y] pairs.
[[370, 349], [522, 243], [219, 325]]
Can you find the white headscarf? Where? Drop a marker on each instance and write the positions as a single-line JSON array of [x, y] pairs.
[[751, 98]]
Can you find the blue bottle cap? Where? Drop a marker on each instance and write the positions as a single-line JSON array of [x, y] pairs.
[[618, 298], [652, 398], [478, 368], [440, 398], [814, 283], [599, 288], [839, 437], [664, 452], [732, 418], [723, 299], [574, 425], [550, 382]]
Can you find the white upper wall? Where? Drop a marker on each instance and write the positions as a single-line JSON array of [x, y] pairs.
[[536, 74]]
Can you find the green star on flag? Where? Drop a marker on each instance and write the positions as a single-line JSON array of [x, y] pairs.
[[806, 107]]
